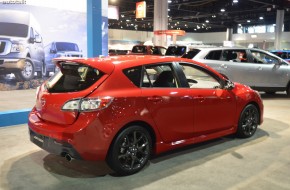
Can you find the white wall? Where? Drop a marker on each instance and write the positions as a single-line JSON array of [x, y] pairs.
[[264, 40]]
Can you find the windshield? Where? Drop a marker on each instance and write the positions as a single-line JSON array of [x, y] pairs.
[[176, 50], [64, 46], [73, 77], [13, 29]]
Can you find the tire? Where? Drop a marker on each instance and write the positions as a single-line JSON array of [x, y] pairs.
[[130, 151], [288, 91], [44, 71], [248, 122], [27, 73]]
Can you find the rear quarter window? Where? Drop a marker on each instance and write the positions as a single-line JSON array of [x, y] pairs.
[[134, 75], [214, 55]]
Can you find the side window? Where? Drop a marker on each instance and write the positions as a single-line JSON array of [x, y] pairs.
[[263, 58], [214, 55], [31, 33], [198, 78], [134, 74], [159, 76]]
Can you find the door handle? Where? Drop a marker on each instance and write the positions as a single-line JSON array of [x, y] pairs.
[[200, 98], [154, 98], [224, 66]]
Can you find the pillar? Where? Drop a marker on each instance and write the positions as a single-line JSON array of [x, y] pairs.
[[229, 36], [97, 27], [278, 28], [160, 21]]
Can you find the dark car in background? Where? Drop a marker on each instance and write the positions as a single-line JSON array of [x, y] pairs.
[[59, 49], [148, 50]]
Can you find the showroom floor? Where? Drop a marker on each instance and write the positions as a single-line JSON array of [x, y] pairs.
[[261, 162]]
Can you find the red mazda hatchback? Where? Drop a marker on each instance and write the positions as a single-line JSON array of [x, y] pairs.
[[125, 109]]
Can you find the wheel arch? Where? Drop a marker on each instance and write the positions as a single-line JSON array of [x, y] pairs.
[[258, 108], [142, 124]]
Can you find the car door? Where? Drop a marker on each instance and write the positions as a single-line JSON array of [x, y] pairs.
[[267, 70], [169, 105], [214, 107]]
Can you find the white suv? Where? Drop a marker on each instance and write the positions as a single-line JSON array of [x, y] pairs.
[[257, 68]]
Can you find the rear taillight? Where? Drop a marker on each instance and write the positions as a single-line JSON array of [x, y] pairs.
[[87, 104]]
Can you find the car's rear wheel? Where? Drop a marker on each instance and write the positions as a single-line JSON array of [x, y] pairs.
[[249, 121], [130, 151], [288, 91], [27, 73]]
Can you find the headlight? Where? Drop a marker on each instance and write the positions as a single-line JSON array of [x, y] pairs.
[[16, 48], [88, 104]]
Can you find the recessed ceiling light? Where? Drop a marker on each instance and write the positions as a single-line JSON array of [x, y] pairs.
[[261, 18], [235, 1], [213, 16], [207, 21], [248, 21], [169, 1], [223, 10]]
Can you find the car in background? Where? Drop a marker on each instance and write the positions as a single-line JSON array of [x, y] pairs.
[[124, 109], [147, 50], [256, 68], [21, 47], [117, 52], [59, 49], [180, 49], [284, 54]]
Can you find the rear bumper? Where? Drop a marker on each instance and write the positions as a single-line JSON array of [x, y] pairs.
[[85, 139], [53, 146]]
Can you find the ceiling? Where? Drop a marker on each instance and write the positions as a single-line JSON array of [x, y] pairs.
[[203, 15]]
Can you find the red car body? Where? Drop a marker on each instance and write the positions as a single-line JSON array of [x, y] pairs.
[[172, 116]]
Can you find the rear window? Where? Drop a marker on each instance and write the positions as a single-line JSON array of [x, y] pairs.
[[139, 49], [191, 54], [73, 77], [176, 50]]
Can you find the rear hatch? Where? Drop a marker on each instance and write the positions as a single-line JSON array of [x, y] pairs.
[[75, 80]]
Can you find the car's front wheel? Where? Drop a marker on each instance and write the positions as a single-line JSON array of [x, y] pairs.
[[27, 73], [249, 121], [130, 151]]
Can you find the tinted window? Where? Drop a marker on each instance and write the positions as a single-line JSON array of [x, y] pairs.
[[176, 50], [63, 46], [13, 29], [134, 74], [214, 55], [191, 54], [159, 76], [234, 56], [73, 77], [139, 49]]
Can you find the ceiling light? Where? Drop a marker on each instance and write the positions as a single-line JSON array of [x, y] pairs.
[[248, 21], [207, 21], [261, 18], [235, 1], [168, 9], [223, 10], [213, 16], [169, 1]]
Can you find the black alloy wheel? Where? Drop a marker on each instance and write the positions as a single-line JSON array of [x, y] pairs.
[[249, 121], [130, 151]]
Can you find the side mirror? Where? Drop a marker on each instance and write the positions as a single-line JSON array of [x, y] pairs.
[[31, 40], [229, 85], [37, 39], [52, 51]]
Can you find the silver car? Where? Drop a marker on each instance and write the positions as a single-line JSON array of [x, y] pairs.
[[256, 68]]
